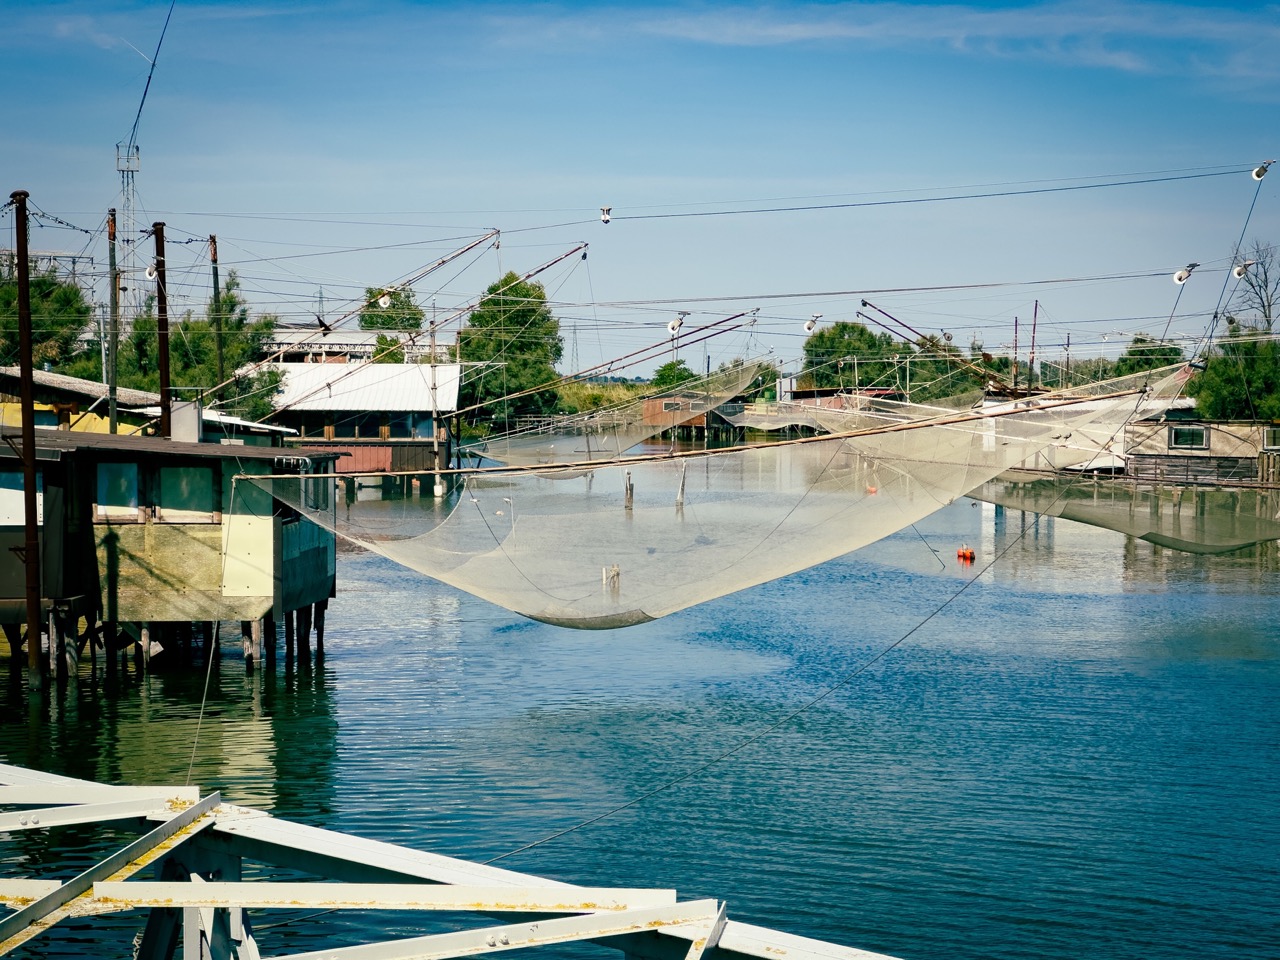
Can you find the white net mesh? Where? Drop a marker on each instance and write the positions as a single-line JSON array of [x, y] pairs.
[[607, 433], [1195, 520], [626, 542]]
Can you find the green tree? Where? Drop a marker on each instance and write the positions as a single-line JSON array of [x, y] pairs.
[[511, 343], [848, 355], [1092, 370], [851, 356], [388, 349], [1241, 377], [1146, 353], [60, 317], [671, 374], [193, 355], [401, 312]]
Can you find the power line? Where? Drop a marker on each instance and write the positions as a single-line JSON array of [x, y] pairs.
[[912, 200]]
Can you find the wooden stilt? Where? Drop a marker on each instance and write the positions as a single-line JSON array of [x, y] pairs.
[[320, 609], [289, 620], [269, 639], [109, 650], [68, 645], [142, 658], [304, 635], [251, 639], [91, 631], [57, 666]]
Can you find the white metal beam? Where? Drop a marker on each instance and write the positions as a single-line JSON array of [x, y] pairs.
[[519, 936], [18, 893], [379, 896], [44, 817], [49, 909], [304, 842], [54, 794]]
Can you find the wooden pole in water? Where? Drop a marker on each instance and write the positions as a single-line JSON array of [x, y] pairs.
[[31, 544], [290, 619], [269, 639], [320, 609], [304, 635]]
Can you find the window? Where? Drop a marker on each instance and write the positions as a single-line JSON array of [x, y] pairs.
[[318, 492], [423, 426], [1271, 438], [187, 495], [399, 426], [1189, 438], [13, 505], [118, 491]]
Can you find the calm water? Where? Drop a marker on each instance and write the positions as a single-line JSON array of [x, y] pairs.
[[1079, 754]]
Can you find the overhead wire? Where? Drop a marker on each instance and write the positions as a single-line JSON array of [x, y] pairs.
[[916, 200]]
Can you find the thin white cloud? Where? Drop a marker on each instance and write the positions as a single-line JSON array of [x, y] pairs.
[[1132, 37], [85, 29]]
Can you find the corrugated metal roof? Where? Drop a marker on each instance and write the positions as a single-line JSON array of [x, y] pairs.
[[369, 387], [85, 388]]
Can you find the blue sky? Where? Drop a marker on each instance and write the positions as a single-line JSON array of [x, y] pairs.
[[305, 135]]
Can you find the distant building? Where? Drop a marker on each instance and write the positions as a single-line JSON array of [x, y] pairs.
[[343, 345], [1180, 450], [385, 417]]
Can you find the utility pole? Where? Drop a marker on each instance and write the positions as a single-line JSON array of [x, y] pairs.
[[113, 335], [1015, 358], [162, 333], [31, 546], [217, 310], [1031, 359]]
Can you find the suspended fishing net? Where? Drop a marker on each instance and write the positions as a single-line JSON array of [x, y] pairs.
[[1094, 441], [633, 540], [609, 432], [1195, 520], [770, 415]]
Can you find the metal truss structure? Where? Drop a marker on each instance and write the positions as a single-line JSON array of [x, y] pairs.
[[195, 847]]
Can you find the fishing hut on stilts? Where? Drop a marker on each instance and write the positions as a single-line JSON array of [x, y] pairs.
[[150, 548]]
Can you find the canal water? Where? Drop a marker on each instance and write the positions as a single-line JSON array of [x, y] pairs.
[[1075, 752]]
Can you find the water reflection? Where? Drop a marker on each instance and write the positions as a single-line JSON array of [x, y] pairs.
[[265, 740]]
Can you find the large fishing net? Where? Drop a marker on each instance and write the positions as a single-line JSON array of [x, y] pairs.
[[607, 433], [1205, 520], [626, 541]]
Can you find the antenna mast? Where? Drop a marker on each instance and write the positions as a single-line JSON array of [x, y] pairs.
[[127, 164]]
